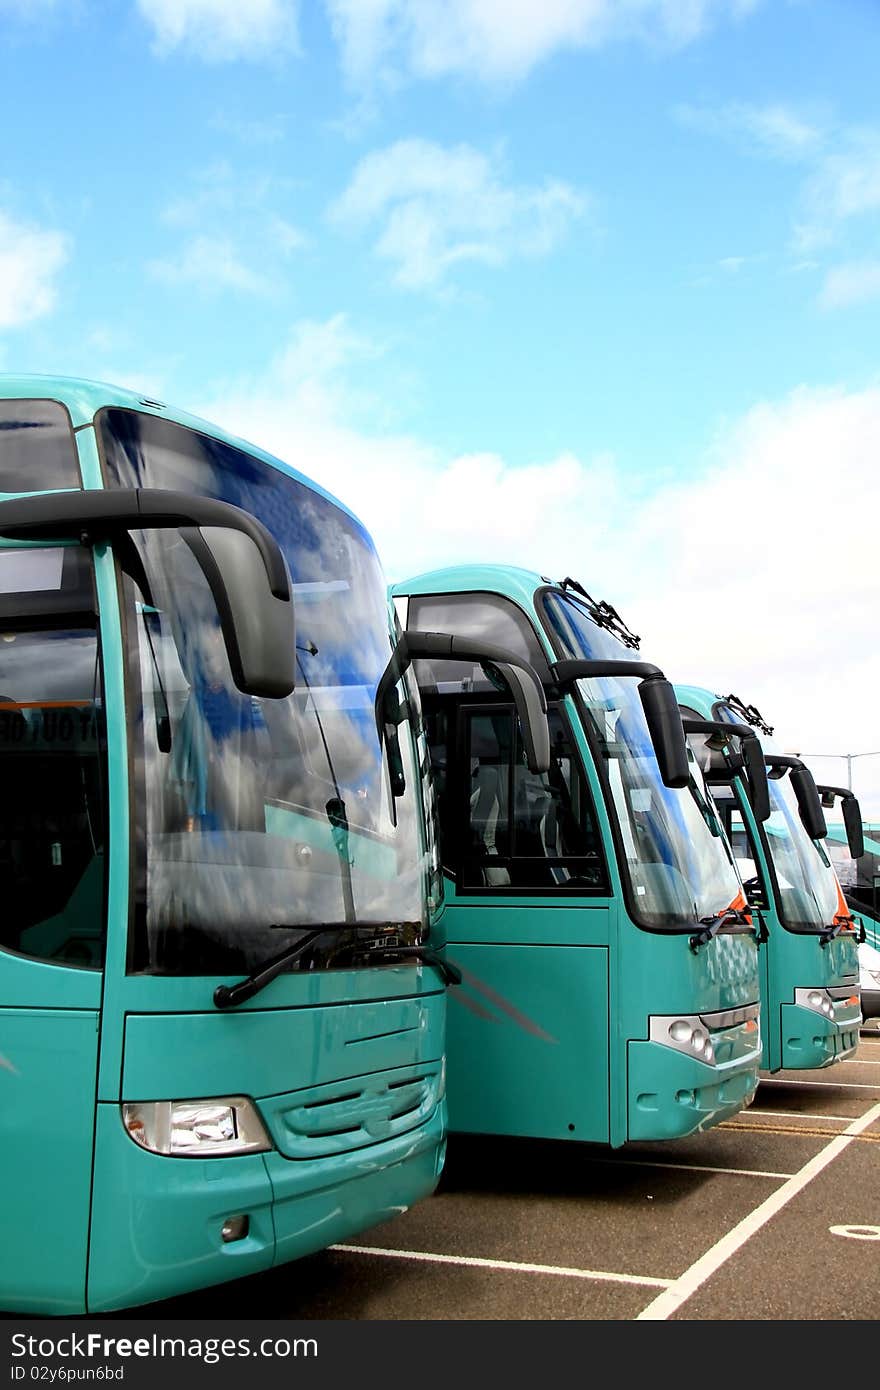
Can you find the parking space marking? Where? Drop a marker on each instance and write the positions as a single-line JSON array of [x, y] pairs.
[[837, 1085], [799, 1130], [856, 1232], [791, 1115], [510, 1266], [672, 1298], [691, 1167]]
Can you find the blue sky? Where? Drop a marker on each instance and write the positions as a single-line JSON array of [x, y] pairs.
[[589, 285]]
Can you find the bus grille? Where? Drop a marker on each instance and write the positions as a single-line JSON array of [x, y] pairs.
[[348, 1115]]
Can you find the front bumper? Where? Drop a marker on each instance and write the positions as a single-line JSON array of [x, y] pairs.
[[810, 1040], [671, 1094], [156, 1228]]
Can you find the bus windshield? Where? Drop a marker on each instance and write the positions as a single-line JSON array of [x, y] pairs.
[[677, 859], [807, 896], [262, 818], [859, 878]]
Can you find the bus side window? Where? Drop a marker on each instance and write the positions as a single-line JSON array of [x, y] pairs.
[[525, 830], [52, 751], [489, 769]]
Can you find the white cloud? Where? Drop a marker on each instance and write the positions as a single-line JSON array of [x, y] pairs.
[[502, 40], [222, 190], [853, 283], [760, 576], [841, 180], [757, 576], [222, 30], [773, 129], [285, 235], [439, 207], [845, 184], [211, 264], [30, 261], [243, 204]]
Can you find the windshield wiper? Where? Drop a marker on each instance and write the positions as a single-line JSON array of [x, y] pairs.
[[712, 926], [838, 926], [603, 614], [749, 713], [449, 973], [227, 996]]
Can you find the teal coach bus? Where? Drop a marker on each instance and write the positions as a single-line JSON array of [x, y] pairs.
[[609, 968], [221, 1019], [857, 862], [859, 874], [810, 1009]]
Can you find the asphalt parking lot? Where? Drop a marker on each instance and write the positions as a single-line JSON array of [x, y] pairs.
[[774, 1215]]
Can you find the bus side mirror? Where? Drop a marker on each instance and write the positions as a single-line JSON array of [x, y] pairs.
[[663, 718], [756, 774], [258, 628], [852, 820], [521, 678], [241, 560], [659, 703], [809, 805]]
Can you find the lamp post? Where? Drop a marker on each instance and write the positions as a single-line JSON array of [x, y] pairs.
[[850, 758]]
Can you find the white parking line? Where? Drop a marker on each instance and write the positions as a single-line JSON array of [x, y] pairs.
[[511, 1266], [838, 1085], [668, 1302], [753, 1114], [691, 1167]]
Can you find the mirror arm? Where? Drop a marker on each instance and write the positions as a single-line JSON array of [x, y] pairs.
[[421, 646], [758, 794], [102, 515], [565, 672]]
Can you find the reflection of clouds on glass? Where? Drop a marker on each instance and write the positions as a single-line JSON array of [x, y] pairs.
[[34, 667], [808, 891], [240, 835], [660, 825]]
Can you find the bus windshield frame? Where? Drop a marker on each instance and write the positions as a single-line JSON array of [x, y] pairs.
[[691, 875]]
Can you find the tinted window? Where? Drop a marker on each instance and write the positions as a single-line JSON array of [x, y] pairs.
[[501, 825], [52, 813], [484, 616], [37, 447]]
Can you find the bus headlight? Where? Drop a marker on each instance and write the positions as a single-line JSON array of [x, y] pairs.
[[196, 1128], [818, 1001], [685, 1034]]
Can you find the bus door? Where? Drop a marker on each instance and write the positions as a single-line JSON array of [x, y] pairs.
[[52, 926], [527, 924]]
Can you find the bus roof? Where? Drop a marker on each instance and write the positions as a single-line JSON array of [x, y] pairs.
[[83, 399], [697, 697], [509, 580]]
